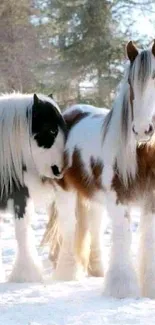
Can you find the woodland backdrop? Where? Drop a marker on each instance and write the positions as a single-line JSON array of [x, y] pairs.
[[71, 48]]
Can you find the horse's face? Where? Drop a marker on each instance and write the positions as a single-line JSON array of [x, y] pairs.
[[48, 137], [142, 90]]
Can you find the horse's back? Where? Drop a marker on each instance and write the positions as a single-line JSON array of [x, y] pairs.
[[85, 108], [85, 124], [79, 114]]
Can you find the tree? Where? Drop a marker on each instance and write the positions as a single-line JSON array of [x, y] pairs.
[[88, 44], [88, 39], [19, 48]]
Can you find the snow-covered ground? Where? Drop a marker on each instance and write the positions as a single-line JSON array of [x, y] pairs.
[[76, 303]]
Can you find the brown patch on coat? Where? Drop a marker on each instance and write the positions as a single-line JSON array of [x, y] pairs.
[[74, 117], [78, 177], [97, 168], [63, 183], [144, 184]]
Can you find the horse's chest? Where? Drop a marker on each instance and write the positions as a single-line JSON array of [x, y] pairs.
[[41, 193]]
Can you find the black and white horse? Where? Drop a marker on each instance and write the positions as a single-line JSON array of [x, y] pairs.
[[32, 139]]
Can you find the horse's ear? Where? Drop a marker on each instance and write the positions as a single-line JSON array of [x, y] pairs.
[[50, 95], [153, 48], [35, 99], [131, 51]]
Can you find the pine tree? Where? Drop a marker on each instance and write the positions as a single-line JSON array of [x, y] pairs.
[[88, 43]]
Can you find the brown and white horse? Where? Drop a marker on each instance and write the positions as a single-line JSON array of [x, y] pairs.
[[101, 151], [89, 215]]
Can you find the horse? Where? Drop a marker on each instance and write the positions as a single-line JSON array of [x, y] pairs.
[[32, 139], [100, 146], [88, 245]]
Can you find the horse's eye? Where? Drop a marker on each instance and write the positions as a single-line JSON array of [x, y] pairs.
[[53, 131]]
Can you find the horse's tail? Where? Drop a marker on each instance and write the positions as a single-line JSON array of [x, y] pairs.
[[53, 239], [82, 238], [52, 236]]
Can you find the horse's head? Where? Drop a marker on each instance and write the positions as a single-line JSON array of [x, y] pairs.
[[141, 79], [49, 133]]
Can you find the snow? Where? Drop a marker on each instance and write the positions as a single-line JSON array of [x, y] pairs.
[[70, 303]]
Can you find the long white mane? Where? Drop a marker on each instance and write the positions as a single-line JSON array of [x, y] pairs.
[[118, 132], [15, 126], [15, 134]]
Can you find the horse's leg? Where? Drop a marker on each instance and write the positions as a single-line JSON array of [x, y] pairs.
[[120, 278], [27, 267], [146, 254], [67, 265], [96, 230]]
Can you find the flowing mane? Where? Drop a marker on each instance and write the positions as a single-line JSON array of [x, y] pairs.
[[15, 137], [117, 131], [15, 128]]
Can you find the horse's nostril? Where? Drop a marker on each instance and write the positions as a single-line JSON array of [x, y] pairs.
[[55, 170], [150, 130]]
